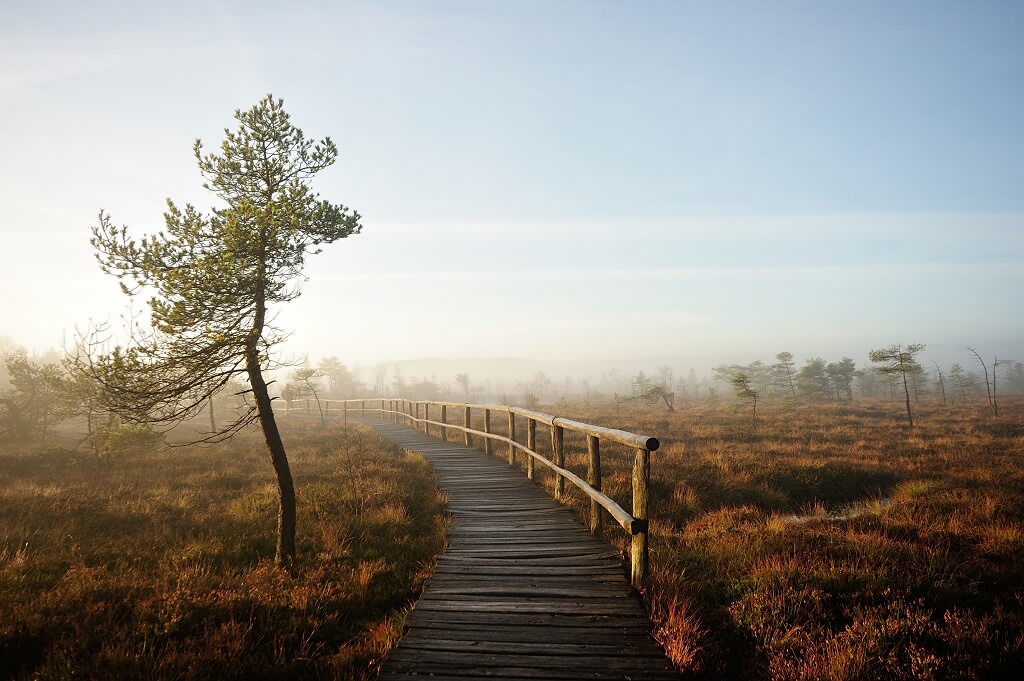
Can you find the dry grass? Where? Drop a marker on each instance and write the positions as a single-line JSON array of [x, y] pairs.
[[831, 542], [161, 566]]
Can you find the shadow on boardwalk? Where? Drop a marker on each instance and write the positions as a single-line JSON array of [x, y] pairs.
[[523, 591]]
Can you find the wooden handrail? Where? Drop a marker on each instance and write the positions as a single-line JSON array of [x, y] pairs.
[[651, 444], [635, 523]]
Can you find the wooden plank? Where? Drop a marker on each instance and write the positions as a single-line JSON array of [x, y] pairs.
[[553, 574], [535, 620], [445, 672], [518, 648], [524, 666], [503, 631], [625, 663], [524, 591]]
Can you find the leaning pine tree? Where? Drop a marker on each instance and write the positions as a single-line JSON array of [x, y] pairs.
[[898, 359], [212, 279]]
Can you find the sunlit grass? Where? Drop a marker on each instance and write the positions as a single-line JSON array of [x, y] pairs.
[[831, 542], [160, 566]]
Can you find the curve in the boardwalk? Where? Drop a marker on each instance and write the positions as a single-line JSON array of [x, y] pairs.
[[523, 590]]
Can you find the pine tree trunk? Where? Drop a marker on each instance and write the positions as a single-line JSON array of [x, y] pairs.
[[906, 391], [285, 555]]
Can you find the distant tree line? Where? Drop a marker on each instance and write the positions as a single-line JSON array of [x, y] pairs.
[[39, 393]]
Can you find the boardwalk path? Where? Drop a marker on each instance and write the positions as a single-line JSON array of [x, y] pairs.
[[523, 591]]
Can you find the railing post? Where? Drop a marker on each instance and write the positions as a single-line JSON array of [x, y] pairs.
[[594, 478], [558, 458], [511, 436], [531, 444], [444, 419], [383, 414], [362, 407], [641, 480], [468, 424], [408, 411], [426, 418], [416, 423], [487, 429]]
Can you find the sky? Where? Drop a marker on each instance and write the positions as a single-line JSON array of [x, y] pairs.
[[553, 180]]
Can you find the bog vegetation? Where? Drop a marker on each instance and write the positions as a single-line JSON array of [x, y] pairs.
[[830, 539], [824, 535], [159, 563], [830, 543], [819, 537]]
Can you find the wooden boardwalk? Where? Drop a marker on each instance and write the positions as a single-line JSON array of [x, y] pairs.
[[523, 591]]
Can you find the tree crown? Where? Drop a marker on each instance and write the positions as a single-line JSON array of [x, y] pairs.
[[212, 276]]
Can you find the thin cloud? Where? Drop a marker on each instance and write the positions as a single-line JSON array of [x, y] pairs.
[[30, 68], [680, 274], [815, 227]]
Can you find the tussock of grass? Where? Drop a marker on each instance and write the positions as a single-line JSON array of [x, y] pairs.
[[160, 566]]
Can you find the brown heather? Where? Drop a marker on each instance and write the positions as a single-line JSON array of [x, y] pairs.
[[832, 542], [160, 566]]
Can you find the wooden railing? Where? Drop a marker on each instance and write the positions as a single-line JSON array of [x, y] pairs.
[[419, 415]]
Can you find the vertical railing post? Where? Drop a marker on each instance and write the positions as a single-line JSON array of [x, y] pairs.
[[487, 429], [426, 418], [344, 415], [531, 444], [468, 423], [408, 411], [594, 478], [444, 419], [416, 423], [641, 482], [558, 458], [511, 436], [362, 407], [383, 414]]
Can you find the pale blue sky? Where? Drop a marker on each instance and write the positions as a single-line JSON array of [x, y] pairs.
[[593, 180]]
